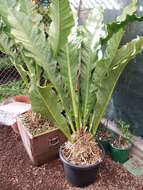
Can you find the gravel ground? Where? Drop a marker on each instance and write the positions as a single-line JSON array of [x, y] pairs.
[[17, 173]]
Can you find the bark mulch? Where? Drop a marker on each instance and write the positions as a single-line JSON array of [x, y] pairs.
[[17, 173]]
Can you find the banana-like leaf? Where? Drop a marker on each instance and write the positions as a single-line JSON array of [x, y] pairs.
[[68, 61], [128, 10], [62, 22], [3, 9], [128, 16], [102, 67], [123, 56], [88, 91], [26, 28], [92, 32], [31, 37], [44, 101]]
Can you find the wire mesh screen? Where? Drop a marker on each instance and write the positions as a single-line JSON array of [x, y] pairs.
[[10, 80], [8, 72], [44, 3]]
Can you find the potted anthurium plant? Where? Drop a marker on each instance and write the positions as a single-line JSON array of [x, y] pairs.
[[121, 144], [82, 76]]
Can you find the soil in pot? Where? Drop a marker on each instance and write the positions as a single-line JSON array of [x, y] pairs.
[[104, 136], [41, 138], [82, 159], [120, 149], [35, 123]]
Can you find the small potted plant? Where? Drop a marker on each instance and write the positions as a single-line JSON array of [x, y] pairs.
[[104, 136], [82, 77], [121, 144]]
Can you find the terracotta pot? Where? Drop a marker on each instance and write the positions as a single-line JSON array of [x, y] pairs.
[[24, 99], [42, 147]]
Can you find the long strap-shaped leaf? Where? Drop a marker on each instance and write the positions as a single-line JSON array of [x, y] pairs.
[[62, 22], [123, 20], [103, 67], [92, 31], [123, 56], [68, 60], [43, 100], [87, 90]]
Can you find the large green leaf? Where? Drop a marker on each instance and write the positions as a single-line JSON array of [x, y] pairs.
[[68, 60], [128, 16], [7, 44], [92, 32], [88, 91], [44, 101], [102, 68], [62, 22], [123, 56], [31, 37], [26, 28], [3, 8]]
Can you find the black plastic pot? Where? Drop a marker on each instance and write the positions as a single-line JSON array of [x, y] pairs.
[[105, 143], [80, 176]]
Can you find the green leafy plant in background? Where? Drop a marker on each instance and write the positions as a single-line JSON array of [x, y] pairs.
[[12, 89], [82, 76], [5, 63], [125, 134]]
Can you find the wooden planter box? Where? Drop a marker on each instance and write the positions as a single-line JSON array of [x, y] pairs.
[[42, 147]]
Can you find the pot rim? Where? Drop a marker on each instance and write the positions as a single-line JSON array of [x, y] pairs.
[[103, 140], [130, 145], [81, 166]]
